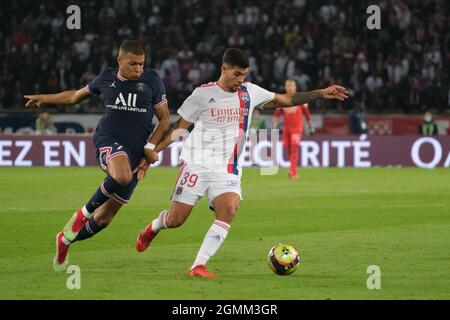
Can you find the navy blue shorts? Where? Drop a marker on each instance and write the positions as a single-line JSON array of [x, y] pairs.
[[106, 148]]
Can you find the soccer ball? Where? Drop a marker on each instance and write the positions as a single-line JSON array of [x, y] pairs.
[[283, 259]]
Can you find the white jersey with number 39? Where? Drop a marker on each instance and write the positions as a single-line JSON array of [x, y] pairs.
[[221, 124]]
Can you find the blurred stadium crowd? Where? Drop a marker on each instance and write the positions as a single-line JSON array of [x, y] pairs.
[[404, 67]]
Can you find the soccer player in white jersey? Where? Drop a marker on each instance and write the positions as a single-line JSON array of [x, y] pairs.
[[212, 154]]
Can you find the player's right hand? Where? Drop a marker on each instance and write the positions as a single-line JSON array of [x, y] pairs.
[[151, 155], [33, 101]]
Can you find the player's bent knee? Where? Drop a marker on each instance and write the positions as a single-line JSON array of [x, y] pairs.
[[123, 178]]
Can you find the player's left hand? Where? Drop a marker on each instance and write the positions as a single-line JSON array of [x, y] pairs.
[[142, 169], [335, 92]]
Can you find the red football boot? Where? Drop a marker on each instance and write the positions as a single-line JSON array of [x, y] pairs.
[[61, 257], [144, 238], [200, 271]]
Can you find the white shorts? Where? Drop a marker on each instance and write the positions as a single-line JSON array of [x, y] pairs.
[[193, 181]]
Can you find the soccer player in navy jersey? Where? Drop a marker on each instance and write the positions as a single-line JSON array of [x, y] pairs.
[[123, 139]]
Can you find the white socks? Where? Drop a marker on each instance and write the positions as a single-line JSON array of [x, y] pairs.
[[212, 242], [160, 222]]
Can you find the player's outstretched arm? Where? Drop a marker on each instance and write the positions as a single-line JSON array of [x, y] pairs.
[[285, 100], [177, 129], [65, 97]]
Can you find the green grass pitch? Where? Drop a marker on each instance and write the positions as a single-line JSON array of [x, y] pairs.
[[341, 220]]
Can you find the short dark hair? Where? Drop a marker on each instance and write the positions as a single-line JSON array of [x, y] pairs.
[[132, 46], [235, 57]]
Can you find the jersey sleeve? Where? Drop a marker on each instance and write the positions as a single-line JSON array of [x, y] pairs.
[[159, 92], [190, 109], [94, 87], [260, 95]]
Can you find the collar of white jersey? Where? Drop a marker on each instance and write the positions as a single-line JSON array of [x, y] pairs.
[[222, 90]]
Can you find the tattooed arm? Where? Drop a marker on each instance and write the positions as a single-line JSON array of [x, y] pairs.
[[284, 100]]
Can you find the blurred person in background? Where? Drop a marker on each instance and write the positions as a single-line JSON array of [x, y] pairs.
[[428, 127], [293, 127], [357, 118], [44, 124]]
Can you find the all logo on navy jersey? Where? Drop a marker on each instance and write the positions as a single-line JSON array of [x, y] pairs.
[[113, 85], [131, 100]]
